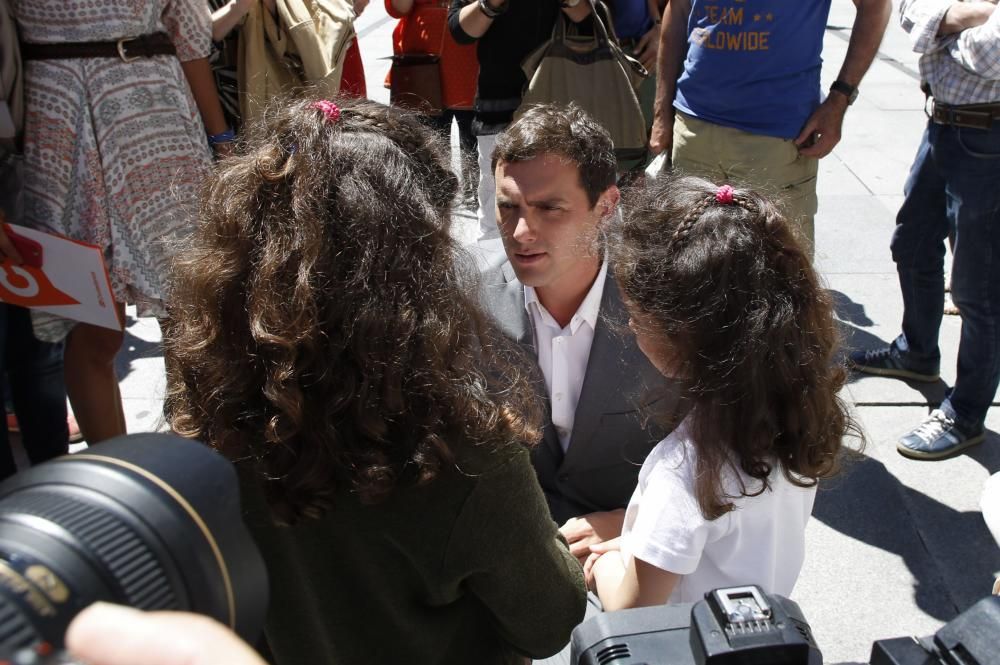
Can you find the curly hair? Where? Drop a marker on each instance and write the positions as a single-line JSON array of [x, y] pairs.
[[322, 324], [733, 297]]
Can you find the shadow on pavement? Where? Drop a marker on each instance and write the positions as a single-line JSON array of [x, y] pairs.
[[950, 554], [134, 348]]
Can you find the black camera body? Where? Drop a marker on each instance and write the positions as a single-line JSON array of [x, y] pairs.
[[732, 626], [745, 626]]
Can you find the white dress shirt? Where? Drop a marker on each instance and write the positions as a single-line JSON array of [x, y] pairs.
[[563, 352]]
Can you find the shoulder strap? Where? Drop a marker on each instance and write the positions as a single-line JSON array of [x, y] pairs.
[[11, 75]]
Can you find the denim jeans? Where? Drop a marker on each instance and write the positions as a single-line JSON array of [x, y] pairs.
[[953, 186], [35, 373]]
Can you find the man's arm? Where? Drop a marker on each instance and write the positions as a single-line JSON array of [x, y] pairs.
[[823, 128], [978, 47], [673, 49], [963, 16]]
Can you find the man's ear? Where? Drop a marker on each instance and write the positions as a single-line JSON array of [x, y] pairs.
[[609, 200]]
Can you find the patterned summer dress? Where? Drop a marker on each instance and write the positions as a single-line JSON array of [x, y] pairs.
[[114, 152]]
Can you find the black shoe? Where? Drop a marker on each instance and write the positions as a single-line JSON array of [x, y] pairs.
[[888, 361]]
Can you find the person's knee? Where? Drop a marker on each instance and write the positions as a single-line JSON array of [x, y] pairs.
[[911, 249]]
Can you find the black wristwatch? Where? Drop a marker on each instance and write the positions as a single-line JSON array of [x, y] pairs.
[[490, 12], [846, 89]]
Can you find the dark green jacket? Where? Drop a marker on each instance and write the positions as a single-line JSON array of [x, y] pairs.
[[469, 569]]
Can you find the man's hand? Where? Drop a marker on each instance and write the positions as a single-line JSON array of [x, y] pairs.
[[587, 530], [105, 634], [648, 49], [823, 128], [661, 137]]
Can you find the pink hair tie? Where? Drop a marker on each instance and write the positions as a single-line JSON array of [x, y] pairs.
[[330, 110], [724, 195]]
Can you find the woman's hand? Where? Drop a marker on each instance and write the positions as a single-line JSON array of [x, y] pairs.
[[7, 250]]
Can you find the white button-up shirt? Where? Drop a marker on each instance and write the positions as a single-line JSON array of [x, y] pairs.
[[563, 352]]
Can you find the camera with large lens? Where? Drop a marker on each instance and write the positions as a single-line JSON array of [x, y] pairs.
[[150, 520]]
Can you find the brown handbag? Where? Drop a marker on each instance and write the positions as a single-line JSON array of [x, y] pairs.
[[415, 83]]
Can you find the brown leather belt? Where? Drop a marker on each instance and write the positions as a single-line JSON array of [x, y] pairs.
[[128, 49], [976, 116]]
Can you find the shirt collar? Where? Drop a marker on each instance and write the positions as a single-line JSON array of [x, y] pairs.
[[588, 311]]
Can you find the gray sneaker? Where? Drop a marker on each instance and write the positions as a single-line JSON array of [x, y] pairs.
[[936, 437]]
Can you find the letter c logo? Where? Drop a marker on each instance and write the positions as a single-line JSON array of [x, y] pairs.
[[29, 287]]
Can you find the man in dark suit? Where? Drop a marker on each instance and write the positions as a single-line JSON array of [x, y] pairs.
[[552, 292]]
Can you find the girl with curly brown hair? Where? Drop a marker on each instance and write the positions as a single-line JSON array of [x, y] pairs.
[[722, 294], [325, 340]]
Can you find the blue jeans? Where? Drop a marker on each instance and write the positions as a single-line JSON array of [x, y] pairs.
[[953, 186], [35, 373]]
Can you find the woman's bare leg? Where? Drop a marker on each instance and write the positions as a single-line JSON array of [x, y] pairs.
[[91, 382]]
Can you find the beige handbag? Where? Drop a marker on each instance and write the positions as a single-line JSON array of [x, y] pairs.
[[304, 44], [594, 73]]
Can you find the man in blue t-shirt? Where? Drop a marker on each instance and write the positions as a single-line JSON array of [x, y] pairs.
[[738, 94]]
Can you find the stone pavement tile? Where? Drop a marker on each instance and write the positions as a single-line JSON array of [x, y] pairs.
[[836, 179], [852, 235], [139, 364], [374, 29], [885, 90], [896, 547], [878, 146], [144, 414]]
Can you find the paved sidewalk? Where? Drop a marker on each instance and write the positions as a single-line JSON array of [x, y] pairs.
[[897, 547]]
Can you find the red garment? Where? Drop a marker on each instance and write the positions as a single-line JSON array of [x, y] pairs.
[[352, 81], [425, 30]]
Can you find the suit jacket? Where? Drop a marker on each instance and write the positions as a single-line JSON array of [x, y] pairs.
[[611, 432]]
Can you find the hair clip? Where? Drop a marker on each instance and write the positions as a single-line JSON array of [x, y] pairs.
[[330, 110], [724, 195]]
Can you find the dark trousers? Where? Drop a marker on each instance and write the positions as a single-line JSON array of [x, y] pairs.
[[953, 187], [35, 375]]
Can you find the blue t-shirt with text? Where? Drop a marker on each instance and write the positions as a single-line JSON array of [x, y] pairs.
[[754, 64]]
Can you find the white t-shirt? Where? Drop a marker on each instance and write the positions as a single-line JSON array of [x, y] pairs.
[[761, 542]]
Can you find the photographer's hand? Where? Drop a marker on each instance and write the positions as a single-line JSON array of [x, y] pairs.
[[105, 634]]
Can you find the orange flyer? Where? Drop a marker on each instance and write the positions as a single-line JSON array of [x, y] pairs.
[[72, 281]]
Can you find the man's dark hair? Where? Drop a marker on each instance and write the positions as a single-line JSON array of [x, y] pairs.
[[567, 131]]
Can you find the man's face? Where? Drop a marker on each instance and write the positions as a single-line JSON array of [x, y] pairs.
[[548, 227]]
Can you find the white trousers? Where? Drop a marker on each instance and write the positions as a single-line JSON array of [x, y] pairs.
[[487, 212]]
